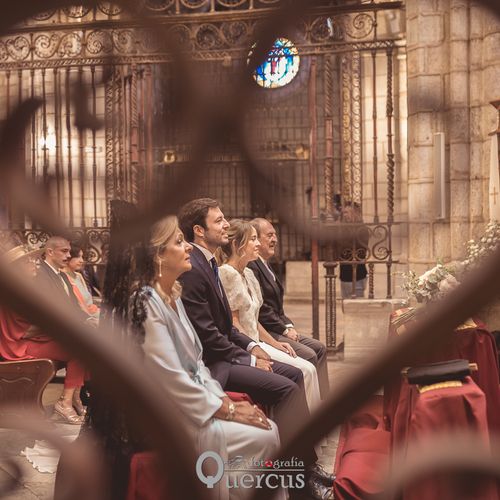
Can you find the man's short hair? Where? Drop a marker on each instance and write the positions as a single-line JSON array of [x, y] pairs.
[[55, 241], [194, 213], [257, 224]]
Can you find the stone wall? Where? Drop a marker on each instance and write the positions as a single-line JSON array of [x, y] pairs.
[[453, 73]]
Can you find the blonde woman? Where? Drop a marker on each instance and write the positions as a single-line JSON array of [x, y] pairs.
[[245, 299]]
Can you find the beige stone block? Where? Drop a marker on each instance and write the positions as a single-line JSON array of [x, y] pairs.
[[476, 123], [419, 239], [420, 162], [436, 59], [476, 88], [441, 242], [459, 23], [476, 158], [430, 29], [491, 48], [459, 237], [420, 201], [366, 325], [422, 134], [416, 61], [412, 9], [425, 93], [491, 81], [459, 199], [459, 88], [458, 124], [476, 21], [459, 59], [476, 198], [459, 160]]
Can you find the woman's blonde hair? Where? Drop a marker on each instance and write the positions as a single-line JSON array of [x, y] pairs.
[[161, 234], [239, 233]]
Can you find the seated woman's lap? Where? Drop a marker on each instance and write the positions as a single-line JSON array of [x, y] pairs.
[[75, 373]]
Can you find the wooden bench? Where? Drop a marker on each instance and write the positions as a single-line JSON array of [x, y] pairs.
[[22, 383]]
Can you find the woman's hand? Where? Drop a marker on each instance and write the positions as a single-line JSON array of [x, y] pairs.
[[248, 414], [286, 347], [244, 413]]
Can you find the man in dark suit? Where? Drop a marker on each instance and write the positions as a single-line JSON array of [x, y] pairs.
[[272, 316], [237, 362], [51, 279]]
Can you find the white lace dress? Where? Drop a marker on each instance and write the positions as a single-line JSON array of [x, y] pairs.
[[244, 295]]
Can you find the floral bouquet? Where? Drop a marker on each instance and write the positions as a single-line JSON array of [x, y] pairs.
[[477, 251], [432, 285]]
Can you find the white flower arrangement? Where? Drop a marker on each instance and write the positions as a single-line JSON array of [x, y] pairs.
[[478, 250], [434, 284]]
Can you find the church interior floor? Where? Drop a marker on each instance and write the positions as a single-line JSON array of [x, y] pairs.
[[37, 485]]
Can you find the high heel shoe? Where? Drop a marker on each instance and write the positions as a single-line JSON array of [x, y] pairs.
[[79, 408], [68, 414]]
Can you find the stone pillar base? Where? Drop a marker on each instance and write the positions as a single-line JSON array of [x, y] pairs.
[[366, 324]]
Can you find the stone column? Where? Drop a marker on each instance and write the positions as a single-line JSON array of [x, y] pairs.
[[428, 67], [453, 73]]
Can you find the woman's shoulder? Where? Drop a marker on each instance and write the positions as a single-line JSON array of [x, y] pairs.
[[250, 276], [228, 272]]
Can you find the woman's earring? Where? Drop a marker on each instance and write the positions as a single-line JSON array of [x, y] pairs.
[[159, 272]]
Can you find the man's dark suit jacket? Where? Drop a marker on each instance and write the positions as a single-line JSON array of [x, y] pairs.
[[271, 315], [50, 283], [208, 309]]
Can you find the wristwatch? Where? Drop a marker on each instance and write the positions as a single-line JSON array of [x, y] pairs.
[[231, 411]]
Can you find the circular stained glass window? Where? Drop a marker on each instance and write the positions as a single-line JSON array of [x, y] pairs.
[[281, 66]]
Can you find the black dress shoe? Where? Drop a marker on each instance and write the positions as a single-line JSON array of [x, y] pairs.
[[317, 490], [317, 472]]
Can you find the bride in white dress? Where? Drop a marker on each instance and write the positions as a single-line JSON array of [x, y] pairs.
[[245, 299]]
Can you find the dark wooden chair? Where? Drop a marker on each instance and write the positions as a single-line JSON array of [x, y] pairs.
[[22, 383]]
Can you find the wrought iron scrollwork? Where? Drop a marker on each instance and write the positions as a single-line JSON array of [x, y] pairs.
[[95, 241]]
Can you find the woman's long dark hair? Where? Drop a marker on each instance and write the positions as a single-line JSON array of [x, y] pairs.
[[129, 268]]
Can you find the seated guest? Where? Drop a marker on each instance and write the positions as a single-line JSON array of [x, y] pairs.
[[73, 271], [51, 278], [21, 340], [234, 360], [272, 315], [245, 300]]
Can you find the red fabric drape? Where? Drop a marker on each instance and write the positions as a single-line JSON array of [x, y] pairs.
[[363, 454], [472, 342], [443, 410]]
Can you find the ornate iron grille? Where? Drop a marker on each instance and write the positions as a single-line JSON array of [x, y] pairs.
[[157, 417]]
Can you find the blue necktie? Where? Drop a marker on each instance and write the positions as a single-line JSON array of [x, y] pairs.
[[215, 269]]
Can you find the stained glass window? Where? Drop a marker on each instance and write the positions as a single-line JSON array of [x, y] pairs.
[[281, 66]]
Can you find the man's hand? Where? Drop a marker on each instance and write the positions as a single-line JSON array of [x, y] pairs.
[[265, 365], [292, 334], [259, 353]]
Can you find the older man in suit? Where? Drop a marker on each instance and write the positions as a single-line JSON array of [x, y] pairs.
[[232, 357], [272, 315], [51, 278]]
